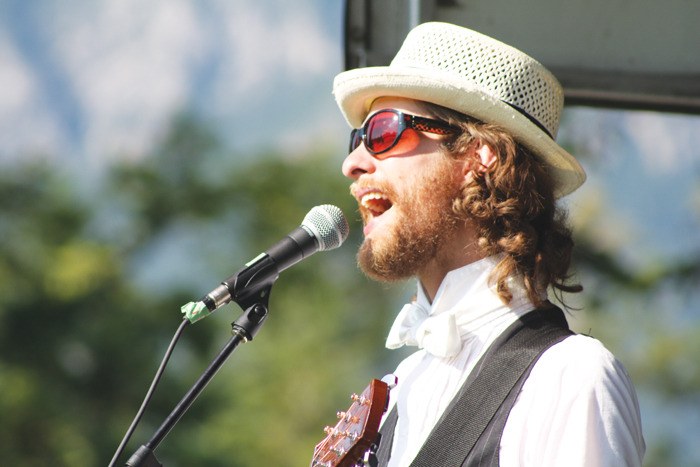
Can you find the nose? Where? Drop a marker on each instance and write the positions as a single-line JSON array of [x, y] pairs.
[[359, 162]]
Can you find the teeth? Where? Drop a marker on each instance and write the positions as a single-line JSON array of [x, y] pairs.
[[369, 197], [376, 203]]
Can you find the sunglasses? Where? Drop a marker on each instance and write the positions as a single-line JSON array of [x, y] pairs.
[[383, 130]]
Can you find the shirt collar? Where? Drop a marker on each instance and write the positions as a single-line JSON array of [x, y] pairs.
[[467, 293], [465, 308]]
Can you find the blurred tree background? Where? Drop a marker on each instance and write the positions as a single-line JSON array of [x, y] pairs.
[[86, 318], [86, 311]]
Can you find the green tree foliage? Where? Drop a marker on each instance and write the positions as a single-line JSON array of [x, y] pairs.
[[91, 296]]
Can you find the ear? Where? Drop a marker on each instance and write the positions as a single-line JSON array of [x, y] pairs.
[[479, 161]]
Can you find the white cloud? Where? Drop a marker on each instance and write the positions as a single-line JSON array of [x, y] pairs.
[[15, 80], [266, 46], [130, 63], [643, 143], [25, 124], [126, 66], [665, 143]]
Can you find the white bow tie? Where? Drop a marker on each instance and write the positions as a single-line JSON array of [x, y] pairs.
[[438, 334]]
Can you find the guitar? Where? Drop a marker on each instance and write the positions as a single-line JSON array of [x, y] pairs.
[[346, 444]]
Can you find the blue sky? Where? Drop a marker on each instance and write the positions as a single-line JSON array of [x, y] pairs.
[[642, 197]]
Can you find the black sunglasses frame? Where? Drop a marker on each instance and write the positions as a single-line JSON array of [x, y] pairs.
[[404, 121]]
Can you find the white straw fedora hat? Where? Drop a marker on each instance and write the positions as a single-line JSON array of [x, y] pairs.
[[478, 76]]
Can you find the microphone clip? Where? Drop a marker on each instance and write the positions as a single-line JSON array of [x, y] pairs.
[[248, 324]]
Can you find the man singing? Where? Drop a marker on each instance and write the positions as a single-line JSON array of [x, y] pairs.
[[457, 174]]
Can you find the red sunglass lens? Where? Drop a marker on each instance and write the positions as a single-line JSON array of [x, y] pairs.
[[382, 131]]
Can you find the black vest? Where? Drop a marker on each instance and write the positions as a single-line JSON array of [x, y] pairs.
[[469, 431]]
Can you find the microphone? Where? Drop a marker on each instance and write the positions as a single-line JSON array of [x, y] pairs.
[[323, 228]]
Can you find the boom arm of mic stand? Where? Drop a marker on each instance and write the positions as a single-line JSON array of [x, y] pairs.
[[243, 329]]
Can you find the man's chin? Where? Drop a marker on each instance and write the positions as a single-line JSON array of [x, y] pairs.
[[379, 266]]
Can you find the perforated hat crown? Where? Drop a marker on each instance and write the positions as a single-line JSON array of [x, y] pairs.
[[478, 76]]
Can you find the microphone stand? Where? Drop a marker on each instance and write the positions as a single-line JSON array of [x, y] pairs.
[[243, 330]]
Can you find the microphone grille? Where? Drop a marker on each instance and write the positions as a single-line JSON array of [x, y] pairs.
[[328, 225]]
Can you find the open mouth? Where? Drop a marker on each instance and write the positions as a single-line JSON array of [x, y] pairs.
[[375, 203]]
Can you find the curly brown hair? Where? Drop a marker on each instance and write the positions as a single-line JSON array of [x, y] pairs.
[[514, 210]]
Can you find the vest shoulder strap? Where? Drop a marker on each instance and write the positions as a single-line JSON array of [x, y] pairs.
[[477, 414]]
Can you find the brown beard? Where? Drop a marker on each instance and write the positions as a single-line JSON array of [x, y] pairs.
[[423, 222]]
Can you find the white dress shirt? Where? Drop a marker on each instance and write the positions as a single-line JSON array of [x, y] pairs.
[[577, 408]]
